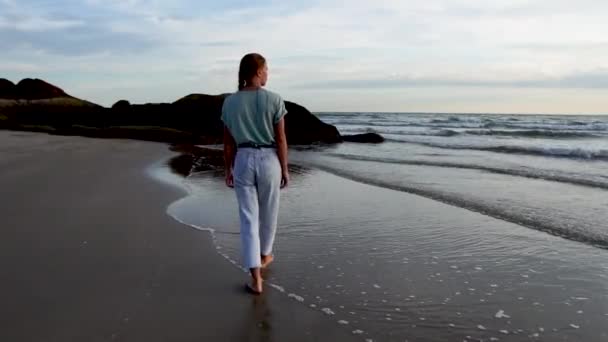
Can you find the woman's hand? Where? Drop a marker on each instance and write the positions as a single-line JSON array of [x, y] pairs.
[[229, 155], [281, 139], [284, 179], [229, 179]]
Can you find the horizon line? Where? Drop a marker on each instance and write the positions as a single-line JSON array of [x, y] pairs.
[[457, 113]]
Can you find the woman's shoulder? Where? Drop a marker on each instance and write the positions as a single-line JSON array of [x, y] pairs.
[[229, 98], [274, 97], [234, 96], [233, 99]]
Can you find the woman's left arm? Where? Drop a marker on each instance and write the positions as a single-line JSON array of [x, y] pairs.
[[229, 154]]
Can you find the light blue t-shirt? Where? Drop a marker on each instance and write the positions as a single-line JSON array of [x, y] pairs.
[[250, 115]]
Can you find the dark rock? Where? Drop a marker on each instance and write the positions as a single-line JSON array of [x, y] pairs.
[[122, 104], [193, 119], [7, 89], [203, 158], [202, 102], [36, 89], [201, 113], [182, 164], [364, 138], [303, 128]]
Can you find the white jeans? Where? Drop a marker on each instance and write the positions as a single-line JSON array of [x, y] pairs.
[[257, 182]]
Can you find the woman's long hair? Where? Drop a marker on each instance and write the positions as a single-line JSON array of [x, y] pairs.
[[250, 64]]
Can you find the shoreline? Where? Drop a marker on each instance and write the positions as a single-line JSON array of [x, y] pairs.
[[102, 260], [400, 266]]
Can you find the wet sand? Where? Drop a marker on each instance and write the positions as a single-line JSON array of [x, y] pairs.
[[88, 253], [397, 266]]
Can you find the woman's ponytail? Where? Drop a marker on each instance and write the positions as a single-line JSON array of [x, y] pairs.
[[250, 64], [242, 81]]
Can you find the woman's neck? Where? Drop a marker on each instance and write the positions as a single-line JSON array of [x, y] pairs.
[[251, 87], [255, 84]]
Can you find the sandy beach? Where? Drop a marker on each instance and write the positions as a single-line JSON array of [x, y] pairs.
[[102, 241], [398, 266], [89, 253]]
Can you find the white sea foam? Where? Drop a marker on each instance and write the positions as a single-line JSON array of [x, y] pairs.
[[328, 311], [296, 297], [501, 314], [277, 287]]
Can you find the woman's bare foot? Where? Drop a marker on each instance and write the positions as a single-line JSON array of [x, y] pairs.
[[254, 289], [256, 282], [267, 260]]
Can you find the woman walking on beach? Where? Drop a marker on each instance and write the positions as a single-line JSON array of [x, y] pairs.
[[255, 157]]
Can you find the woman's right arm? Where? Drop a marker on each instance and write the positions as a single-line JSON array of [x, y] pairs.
[[229, 154], [281, 139]]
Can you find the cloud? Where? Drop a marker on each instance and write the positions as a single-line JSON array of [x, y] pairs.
[[33, 24], [42, 28], [20, 68], [70, 41], [373, 45], [598, 79]]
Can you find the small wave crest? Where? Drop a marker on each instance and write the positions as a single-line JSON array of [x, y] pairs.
[[551, 175], [432, 133], [523, 123], [447, 120], [596, 239], [557, 152], [564, 152], [533, 133]]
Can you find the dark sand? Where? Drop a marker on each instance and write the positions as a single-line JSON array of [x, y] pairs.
[[400, 267], [88, 253]]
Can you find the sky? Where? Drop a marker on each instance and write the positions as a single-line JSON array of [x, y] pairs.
[[474, 56]]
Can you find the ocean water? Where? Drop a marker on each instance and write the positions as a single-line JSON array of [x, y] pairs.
[[458, 227], [559, 163]]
